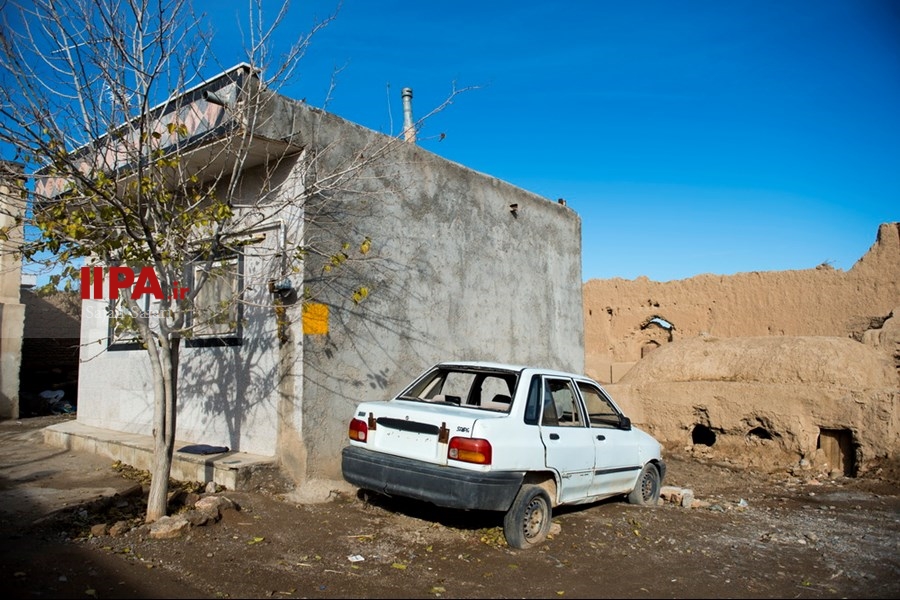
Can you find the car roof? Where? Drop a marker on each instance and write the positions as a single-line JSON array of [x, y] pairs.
[[507, 367]]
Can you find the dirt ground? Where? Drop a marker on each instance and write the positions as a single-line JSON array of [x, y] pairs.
[[753, 535]]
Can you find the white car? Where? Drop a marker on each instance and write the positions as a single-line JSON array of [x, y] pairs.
[[477, 435]]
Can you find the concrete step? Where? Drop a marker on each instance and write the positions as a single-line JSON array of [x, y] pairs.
[[232, 470]]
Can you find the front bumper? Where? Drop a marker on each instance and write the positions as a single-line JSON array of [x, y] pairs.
[[441, 485]]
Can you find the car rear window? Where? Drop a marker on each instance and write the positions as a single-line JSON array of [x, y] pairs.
[[489, 390]]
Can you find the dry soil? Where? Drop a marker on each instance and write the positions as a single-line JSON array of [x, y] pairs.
[[751, 534]]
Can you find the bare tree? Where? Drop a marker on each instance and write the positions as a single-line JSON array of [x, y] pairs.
[[138, 161]]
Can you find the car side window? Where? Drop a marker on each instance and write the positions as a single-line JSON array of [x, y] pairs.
[[533, 403], [560, 395], [601, 412]]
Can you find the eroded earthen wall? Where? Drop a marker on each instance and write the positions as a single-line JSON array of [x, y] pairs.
[[626, 319]]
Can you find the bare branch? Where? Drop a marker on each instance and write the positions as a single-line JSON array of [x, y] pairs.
[[139, 161]]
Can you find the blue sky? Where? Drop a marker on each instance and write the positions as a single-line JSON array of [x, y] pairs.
[[691, 137]]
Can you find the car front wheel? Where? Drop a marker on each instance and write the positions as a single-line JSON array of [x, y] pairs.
[[646, 492], [527, 522]]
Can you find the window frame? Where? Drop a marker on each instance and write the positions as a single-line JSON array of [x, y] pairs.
[[607, 422], [578, 406], [235, 336], [133, 340]]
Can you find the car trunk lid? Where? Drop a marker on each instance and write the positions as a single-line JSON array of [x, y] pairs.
[[415, 430]]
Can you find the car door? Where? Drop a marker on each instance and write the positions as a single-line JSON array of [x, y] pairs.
[[617, 460], [567, 440]]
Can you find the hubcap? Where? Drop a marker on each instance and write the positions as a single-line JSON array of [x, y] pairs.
[[649, 486], [534, 518]]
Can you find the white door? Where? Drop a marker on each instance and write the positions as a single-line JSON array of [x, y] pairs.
[[617, 460], [568, 441]]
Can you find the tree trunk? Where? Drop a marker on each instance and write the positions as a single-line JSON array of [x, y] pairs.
[[164, 417]]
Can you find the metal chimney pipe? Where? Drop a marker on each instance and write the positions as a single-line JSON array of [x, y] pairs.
[[409, 127]]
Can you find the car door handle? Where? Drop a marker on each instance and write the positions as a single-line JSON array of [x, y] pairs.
[[601, 437], [554, 436]]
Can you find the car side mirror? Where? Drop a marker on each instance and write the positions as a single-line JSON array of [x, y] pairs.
[[625, 423]]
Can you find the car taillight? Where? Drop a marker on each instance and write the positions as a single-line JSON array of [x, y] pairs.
[[359, 431], [473, 450]]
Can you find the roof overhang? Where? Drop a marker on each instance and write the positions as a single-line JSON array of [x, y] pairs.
[[204, 127]]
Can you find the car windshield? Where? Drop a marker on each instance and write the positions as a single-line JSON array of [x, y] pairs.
[[487, 389]]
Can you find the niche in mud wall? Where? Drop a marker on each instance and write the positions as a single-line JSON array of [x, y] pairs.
[[702, 435], [836, 448]]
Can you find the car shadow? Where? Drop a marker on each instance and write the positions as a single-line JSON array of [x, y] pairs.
[[470, 520]]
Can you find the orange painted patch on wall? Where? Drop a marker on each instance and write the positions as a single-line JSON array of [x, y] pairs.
[[315, 319]]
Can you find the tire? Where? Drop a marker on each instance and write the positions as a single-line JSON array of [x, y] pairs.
[[646, 491], [527, 522]]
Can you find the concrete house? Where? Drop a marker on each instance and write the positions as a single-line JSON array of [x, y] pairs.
[[462, 266]]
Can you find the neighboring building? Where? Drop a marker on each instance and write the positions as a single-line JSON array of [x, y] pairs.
[[12, 311], [462, 266], [48, 381]]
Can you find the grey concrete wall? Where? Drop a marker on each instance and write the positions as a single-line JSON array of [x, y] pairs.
[[453, 273]]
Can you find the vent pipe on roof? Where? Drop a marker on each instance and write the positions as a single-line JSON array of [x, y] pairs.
[[409, 127]]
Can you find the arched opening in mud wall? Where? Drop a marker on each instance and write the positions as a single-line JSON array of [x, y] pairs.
[[655, 332]]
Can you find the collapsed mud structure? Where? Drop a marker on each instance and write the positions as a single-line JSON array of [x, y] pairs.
[[766, 369]]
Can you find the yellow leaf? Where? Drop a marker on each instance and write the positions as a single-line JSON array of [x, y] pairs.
[[256, 540], [400, 566]]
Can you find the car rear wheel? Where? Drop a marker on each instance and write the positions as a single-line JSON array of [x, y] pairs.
[[527, 522], [646, 492]]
